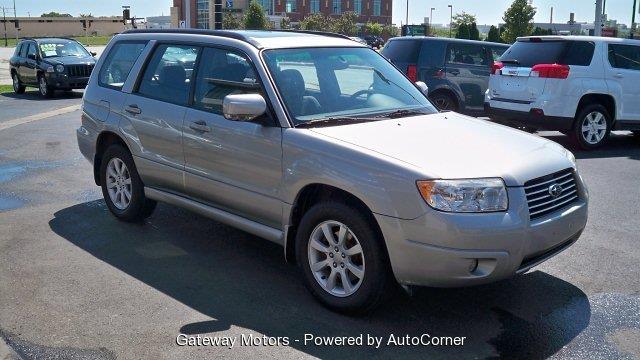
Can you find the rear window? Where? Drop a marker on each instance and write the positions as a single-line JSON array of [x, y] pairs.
[[402, 51], [530, 53]]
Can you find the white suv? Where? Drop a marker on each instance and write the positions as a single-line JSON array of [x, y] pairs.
[[582, 86]]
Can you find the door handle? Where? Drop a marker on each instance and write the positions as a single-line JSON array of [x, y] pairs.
[[200, 126], [133, 109]]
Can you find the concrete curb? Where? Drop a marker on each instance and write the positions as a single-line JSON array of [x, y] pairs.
[[6, 352]]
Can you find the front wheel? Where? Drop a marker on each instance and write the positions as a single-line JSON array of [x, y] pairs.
[[592, 127], [343, 259], [18, 88], [44, 88], [122, 187], [444, 102]]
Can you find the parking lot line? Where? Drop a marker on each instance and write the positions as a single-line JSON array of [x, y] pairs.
[[15, 122]]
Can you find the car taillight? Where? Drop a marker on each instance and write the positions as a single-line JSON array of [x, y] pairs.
[[412, 73], [496, 67], [550, 71]]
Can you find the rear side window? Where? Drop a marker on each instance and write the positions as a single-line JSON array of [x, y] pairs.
[[497, 51], [17, 52], [169, 73], [402, 51], [466, 54], [624, 56], [530, 53], [118, 64], [221, 73], [32, 50], [23, 50]]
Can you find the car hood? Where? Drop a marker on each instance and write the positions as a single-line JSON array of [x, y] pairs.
[[453, 146], [70, 60]]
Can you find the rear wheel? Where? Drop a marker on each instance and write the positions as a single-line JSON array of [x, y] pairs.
[[592, 127], [18, 88], [444, 101], [343, 259], [44, 88], [122, 187]]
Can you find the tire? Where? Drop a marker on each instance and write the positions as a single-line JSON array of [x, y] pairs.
[[592, 127], [18, 87], [443, 101], [128, 181], [376, 279], [45, 90]]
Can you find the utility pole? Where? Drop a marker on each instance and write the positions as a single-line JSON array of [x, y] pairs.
[[406, 20], [4, 19], [431, 20], [15, 17], [450, 19], [633, 21], [597, 25]]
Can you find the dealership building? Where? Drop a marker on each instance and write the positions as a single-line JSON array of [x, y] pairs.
[[199, 13]]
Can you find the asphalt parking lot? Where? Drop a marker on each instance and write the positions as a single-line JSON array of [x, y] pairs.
[[76, 283]]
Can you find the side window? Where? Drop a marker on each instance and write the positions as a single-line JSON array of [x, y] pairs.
[[118, 64], [169, 73], [624, 56], [23, 50], [466, 54], [32, 50], [579, 53], [17, 52], [222, 72], [497, 51]]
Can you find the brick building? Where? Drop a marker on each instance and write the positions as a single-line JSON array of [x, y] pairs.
[[196, 13]]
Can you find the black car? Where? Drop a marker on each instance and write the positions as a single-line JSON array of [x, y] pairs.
[[50, 64], [374, 41], [456, 71]]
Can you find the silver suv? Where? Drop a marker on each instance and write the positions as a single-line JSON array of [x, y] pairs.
[[319, 144]]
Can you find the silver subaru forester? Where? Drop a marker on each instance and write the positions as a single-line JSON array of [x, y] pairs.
[[318, 143]]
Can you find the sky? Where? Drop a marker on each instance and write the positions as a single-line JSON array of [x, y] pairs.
[[487, 12]]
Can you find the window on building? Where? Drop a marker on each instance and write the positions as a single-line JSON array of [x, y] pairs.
[[119, 62], [222, 72], [267, 6], [202, 9], [291, 6], [337, 7], [314, 6], [357, 6], [169, 73], [376, 7]]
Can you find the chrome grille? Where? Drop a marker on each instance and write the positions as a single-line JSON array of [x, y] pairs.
[[79, 70], [539, 193]]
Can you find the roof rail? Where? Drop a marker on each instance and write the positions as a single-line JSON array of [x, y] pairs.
[[314, 32], [221, 33]]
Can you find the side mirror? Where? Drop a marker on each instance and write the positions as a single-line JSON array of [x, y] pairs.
[[422, 87], [32, 56], [243, 107], [93, 53]]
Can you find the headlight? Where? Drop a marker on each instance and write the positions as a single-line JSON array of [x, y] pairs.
[[465, 196], [50, 69], [60, 68]]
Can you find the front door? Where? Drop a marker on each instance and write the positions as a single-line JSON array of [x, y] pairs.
[[156, 111], [232, 165], [467, 67], [623, 79], [29, 69]]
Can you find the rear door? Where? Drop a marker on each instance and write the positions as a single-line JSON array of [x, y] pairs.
[[28, 71], [467, 66], [403, 53], [623, 78]]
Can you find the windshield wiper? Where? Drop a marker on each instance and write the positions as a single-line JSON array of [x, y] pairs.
[[334, 120], [401, 113]]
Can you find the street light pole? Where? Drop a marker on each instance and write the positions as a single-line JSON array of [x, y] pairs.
[[406, 20], [4, 18], [431, 20], [15, 18], [633, 20], [450, 19], [597, 25]]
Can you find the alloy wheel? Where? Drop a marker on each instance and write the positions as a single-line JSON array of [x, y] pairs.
[[119, 183], [44, 89], [16, 83], [336, 258], [594, 127]]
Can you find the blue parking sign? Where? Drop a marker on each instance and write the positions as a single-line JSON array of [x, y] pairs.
[[229, 3]]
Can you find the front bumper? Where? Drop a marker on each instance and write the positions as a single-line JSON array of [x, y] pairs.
[[66, 82], [452, 250], [529, 119]]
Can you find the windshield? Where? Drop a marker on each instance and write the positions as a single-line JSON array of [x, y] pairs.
[[58, 49], [328, 83]]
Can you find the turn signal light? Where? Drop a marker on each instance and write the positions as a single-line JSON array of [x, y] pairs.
[[550, 71]]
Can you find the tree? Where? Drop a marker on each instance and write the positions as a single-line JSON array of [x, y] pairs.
[[389, 31], [86, 15], [463, 32], [518, 21], [255, 18], [463, 18], [346, 24], [230, 21], [538, 31], [373, 28], [474, 33], [494, 34], [285, 23], [55, 14], [316, 22]]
